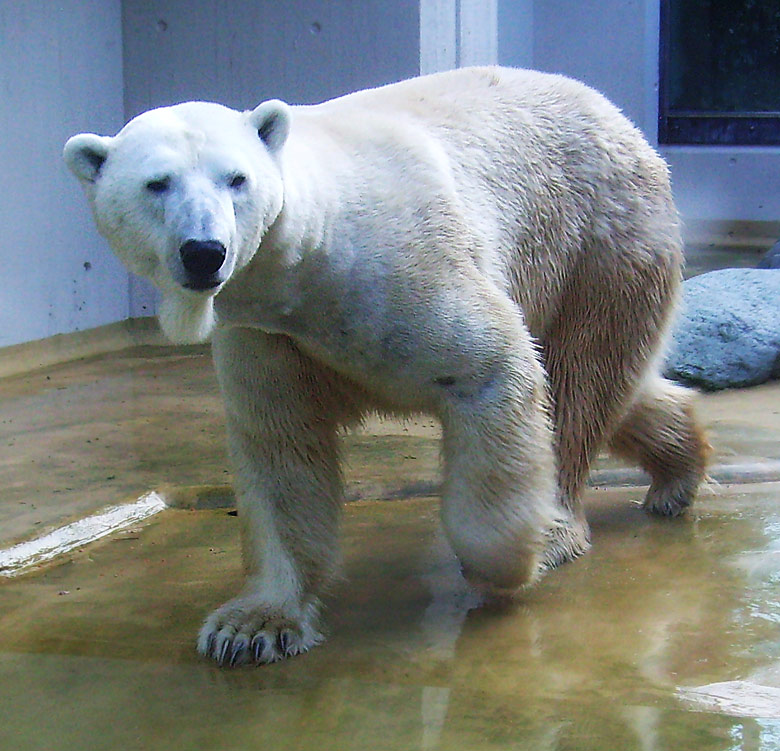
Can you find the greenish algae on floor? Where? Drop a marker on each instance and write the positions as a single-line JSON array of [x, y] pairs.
[[97, 651]]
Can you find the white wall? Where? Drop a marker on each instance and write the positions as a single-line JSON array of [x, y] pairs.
[[240, 52], [457, 33], [60, 73]]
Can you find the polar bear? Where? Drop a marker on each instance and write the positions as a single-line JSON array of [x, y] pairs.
[[498, 248]]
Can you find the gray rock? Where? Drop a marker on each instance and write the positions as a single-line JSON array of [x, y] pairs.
[[728, 331], [771, 259]]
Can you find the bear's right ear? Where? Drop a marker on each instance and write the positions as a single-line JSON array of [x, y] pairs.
[[271, 120], [85, 154]]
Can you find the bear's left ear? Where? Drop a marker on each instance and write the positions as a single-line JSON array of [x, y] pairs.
[[271, 120], [85, 154]]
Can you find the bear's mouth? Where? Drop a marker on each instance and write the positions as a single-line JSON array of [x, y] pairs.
[[202, 285]]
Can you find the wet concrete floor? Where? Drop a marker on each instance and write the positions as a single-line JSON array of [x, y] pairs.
[[666, 636]]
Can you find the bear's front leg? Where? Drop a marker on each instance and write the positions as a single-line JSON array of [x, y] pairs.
[[282, 415], [499, 502]]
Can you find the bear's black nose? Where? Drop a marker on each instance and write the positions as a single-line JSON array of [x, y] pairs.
[[202, 257]]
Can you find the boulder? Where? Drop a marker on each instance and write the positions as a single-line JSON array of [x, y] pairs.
[[771, 259], [728, 331]]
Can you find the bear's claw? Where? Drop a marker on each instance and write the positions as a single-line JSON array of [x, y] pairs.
[[247, 632], [672, 498]]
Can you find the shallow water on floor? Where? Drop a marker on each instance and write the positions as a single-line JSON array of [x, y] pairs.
[[619, 650], [665, 636]]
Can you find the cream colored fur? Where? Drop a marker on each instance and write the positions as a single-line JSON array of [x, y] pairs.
[[497, 248]]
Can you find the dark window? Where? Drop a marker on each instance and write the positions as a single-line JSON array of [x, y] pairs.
[[720, 72]]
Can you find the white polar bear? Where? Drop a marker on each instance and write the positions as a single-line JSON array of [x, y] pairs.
[[498, 248]]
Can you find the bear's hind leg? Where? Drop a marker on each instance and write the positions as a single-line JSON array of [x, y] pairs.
[[660, 433], [609, 324]]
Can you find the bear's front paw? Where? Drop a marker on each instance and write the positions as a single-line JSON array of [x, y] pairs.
[[248, 630]]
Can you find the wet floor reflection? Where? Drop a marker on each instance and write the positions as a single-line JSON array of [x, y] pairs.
[[666, 636], [98, 652]]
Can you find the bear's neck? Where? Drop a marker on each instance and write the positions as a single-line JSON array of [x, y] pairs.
[[316, 191]]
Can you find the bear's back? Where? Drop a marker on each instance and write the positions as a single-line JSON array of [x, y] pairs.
[[453, 97]]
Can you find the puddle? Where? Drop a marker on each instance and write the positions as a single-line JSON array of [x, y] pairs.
[[738, 698], [665, 637], [162, 706], [619, 650]]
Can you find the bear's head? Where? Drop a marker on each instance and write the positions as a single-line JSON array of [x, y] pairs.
[[184, 195]]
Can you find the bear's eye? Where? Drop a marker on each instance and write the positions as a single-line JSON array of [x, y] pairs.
[[158, 186], [236, 181]]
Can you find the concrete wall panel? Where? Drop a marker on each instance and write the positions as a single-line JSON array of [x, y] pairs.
[[60, 73]]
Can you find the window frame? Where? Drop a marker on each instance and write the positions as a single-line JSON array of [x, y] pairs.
[[701, 128]]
